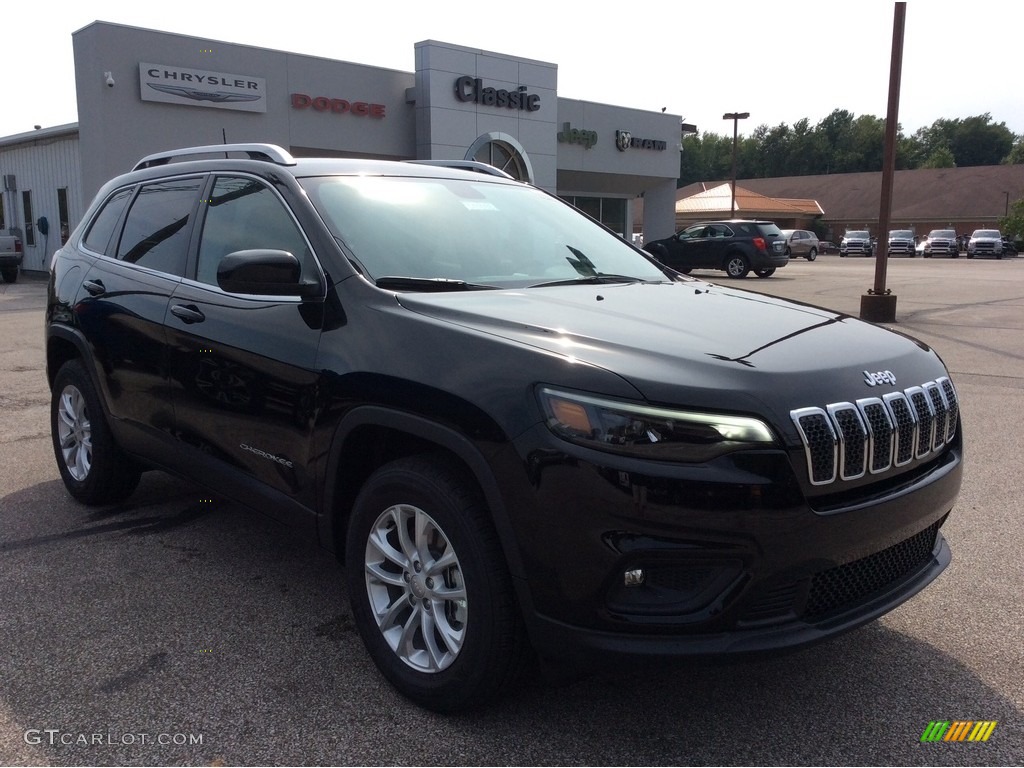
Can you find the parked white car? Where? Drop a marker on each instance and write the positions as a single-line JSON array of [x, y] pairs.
[[985, 242]]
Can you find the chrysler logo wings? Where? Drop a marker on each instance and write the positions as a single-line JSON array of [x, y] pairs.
[[220, 97], [879, 377]]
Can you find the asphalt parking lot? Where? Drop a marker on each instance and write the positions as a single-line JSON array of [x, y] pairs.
[[177, 628]]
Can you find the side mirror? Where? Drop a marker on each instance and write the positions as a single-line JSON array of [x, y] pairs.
[[263, 272]]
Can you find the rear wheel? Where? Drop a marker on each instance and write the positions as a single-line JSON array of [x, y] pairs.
[[10, 274], [812, 255], [765, 272], [736, 266], [430, 591], [91, 465]]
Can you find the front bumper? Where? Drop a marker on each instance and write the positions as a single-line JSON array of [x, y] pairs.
[[736, 556]]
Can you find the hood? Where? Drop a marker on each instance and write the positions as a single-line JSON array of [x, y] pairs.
[[690, 342]]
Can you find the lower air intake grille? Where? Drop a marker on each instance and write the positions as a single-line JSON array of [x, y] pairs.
[[849, 584]]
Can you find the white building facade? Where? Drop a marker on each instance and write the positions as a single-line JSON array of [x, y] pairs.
[[142, 91]]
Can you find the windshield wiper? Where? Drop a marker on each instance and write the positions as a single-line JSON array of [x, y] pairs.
[[598, 279], [427, 284]]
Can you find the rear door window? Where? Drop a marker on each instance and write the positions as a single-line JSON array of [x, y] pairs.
[[157, 229]]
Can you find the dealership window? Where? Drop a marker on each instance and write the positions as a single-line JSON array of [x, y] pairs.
[[62, 212], [610, 211], [26, 207], [502, 151]]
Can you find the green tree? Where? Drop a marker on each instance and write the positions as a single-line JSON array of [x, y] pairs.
[[977, 141], [1016, 156], [941, 157], [1013, 225]]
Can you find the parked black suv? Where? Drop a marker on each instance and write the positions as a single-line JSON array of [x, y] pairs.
[[736, 246], [520, 431]]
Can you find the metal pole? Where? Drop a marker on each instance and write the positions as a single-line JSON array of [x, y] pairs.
[[879, 305], [889, 162], [735, 117]]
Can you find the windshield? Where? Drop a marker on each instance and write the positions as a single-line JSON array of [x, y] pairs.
[[993, 233], [940, 233], [901, 234], [858, 235], [476, 232]]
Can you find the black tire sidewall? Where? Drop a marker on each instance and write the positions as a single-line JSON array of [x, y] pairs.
[[112, 476], [487, 653]]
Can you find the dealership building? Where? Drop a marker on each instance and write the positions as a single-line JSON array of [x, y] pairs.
[[143, 91]]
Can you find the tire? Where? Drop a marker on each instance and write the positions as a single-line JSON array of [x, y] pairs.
[[765, 272], [93, 468], [736, 266], [9, 274], [475, 645], [970, 255], [812, 254], [789, 251]]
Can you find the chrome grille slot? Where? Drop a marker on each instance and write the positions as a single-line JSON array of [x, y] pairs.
[[952, 404], [845, 441], [820, 442], [880, 433], [925, 420], [941, 413], [852, 440], [906, 426]]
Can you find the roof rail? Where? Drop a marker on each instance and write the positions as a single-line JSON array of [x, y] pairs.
[[467, 165], [270, 152]]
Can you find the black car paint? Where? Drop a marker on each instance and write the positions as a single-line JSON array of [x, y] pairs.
[[688, 253], [292, 420]]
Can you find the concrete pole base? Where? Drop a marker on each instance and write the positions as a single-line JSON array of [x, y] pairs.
[[878, 307]]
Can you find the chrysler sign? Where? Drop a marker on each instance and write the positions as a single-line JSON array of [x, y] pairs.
[[201, 88]]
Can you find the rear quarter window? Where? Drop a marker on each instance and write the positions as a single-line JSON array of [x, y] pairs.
[[97, 239]]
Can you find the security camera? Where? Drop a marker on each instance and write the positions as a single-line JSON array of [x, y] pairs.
[[110, 79]]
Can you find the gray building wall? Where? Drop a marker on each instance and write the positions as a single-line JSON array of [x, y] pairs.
[[41, 163], [142, 91], [117, 127]]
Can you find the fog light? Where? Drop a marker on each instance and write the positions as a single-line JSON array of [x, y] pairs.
[[634, 578]]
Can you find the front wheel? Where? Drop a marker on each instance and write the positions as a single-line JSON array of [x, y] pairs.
[[812, 255], [430, 591], [765, 272], [91, 465], [736, 267]]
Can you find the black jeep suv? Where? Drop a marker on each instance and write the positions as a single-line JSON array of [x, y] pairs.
[[519, 431], [736, 246]]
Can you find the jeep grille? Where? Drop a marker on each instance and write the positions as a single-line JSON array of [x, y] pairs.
[[845, 441]]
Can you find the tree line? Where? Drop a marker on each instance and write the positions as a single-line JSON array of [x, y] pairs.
[[842, 143]]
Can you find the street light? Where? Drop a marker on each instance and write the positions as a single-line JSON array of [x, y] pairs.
[[735, 117]]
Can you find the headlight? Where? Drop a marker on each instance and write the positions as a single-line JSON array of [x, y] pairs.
[[659, 434]]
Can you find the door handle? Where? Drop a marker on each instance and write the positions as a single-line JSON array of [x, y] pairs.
[[94, 287], [188, 313]]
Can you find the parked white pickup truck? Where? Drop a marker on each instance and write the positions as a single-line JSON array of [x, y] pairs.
[[10, 257]]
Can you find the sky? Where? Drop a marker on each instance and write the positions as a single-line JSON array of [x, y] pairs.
[[781, 61]]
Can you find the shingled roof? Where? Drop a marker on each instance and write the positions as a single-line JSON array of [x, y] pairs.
[[963, 198]]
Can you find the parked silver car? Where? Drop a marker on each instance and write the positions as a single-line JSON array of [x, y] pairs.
[[801, 242], [901, 241], [941, 242], [985, 242], [857, 241]]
